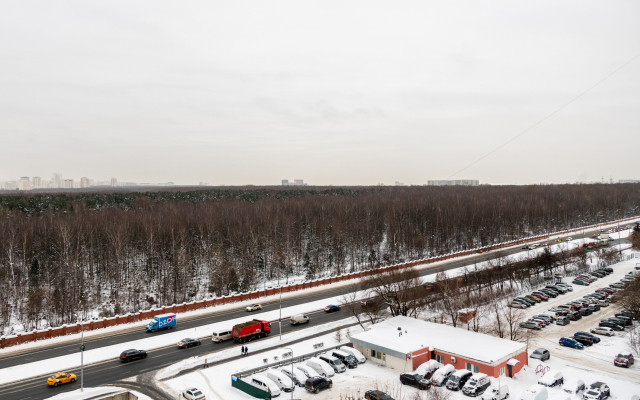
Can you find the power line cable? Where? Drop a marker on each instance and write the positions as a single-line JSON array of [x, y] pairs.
[[545, 118]]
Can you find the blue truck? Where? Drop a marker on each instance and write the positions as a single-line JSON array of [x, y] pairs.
[[164, 321]]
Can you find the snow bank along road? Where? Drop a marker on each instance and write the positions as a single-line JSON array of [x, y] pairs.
[[111, 371]]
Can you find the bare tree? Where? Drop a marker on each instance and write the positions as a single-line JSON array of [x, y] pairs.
[[399, 289], [451, 296], [351, 302]]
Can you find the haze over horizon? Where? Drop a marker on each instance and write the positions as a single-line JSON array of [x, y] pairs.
[[354, 93]]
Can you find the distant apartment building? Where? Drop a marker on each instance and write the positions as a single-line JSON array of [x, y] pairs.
[[36, 182], [56, 181], [114, 182], [10, 185], [456, 182], [24, 183], [296, 182], [398, 183], [84, 182], [68, 183], [628, 181]]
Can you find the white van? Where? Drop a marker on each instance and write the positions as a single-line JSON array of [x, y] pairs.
[[307, 371], [321, 367], [221, 335], [496, 393], [535, 392], [551, 378], [350, 350], [335, 363], [299, 319], [264, 383], [298, 377], [280, 379]]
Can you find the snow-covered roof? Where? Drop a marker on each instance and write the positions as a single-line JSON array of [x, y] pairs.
[[513, 362], [417, 334]]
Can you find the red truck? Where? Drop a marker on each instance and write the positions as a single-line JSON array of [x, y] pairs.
[[247, 331]]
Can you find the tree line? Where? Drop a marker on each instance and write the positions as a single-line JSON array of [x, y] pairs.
[[62, 255]]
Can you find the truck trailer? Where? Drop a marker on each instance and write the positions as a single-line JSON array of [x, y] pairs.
[[247, 331], [164, 321]]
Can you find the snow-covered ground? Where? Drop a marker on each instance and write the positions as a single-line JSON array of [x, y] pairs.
[[89, 393]]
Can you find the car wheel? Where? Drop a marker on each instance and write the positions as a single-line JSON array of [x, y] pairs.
[[55, 384], [330, 385], [315, 390], [144, 356], [73, 380]]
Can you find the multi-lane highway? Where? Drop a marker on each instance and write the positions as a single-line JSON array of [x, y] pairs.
[[112, 371]]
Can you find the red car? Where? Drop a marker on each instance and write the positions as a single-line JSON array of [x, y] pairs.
[[540, 296], [624, 360], [610, 291]]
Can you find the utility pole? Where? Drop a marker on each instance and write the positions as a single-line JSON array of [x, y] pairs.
[[280, 319], [82, 354], [291, 350]]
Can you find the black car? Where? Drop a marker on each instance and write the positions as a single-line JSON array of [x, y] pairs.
[[574, 315], [624, 314], [585, 311], [416, 380], [188, 342], [611, 325], [591, 335], [549, 293], [585, 340], [377, 395], [132, 354], [580, 282], [331, 308], [458, 379], [560, 311], [317, 383], [619, 321]]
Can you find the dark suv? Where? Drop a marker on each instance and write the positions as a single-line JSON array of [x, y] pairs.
[[317, 383], [416, 380], [377, 395], [132, 354]]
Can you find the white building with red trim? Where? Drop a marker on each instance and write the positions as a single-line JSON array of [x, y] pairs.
[[404, 343]]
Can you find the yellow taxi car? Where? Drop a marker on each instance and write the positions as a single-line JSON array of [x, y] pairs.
[[60, 378], [254, 307]]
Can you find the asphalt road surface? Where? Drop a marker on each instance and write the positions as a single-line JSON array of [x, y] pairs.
[[112, 371]]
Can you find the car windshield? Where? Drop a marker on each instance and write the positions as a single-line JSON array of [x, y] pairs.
[[593, 393], [351, 358], [337, 362], [52, 377], [197, 393], [151, 323], [623, 356], [472, 383], [454, 379], [537, 352]]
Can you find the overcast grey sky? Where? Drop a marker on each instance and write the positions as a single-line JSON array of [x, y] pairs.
[[332, 92]]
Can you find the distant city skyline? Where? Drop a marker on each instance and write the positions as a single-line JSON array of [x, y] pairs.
[[210, 91]]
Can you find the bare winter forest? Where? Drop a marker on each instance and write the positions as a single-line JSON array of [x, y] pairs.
[[64, 254]]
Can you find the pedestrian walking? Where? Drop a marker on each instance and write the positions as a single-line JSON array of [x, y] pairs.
[[242, 351], [246, 351], [205, 364]]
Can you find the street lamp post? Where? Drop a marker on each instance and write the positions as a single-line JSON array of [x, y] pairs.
[[292, 384], [280, 319], [81, 354]]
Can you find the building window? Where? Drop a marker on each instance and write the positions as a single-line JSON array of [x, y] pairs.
[[440, 358], [501, 371], [472, 368]]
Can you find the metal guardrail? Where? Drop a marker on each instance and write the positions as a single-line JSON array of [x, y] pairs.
[[286, 361]]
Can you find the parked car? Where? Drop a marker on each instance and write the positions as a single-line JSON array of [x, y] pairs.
[[132, 354], [574, 387], [585, 340], [440, 377], [188, 342], [415, 380], [580, 282], [624, 360], [350, 350], [551, 378], [596, 391], [541, 296], [264, 383], [530, 325], [458, 379], [532, 298], [321, 367], [574, 316], [60, 378], [193, 394], [540, 354], [570, 342], [335, 363], [496, 393], [318, 383], [515, 304], [331, 308], [476, 385], [281, 380], [535, 392], [619, 321], [549, 293], [307, 371], [427, 369], [601, 330], [254, 307], [592, 336], [376, 395], [611, 325], [547, 317], [348, 360], [298, 377], [562, 321]]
